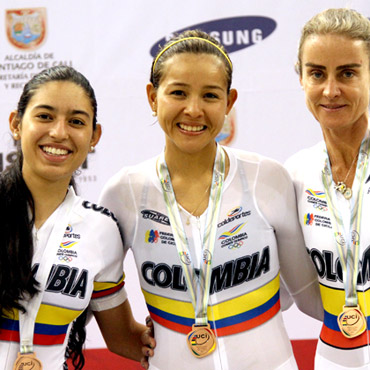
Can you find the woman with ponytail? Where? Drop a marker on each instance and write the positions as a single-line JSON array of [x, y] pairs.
[[59, 254]]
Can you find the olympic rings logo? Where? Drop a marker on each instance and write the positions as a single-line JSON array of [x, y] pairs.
[[320, 207], [65, 258], [236, 245]]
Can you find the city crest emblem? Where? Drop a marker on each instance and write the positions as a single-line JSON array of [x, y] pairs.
[[26, 28]]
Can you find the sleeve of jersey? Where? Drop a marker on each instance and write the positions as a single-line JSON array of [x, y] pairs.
[[109, 290], [117, 195], [276, 199]]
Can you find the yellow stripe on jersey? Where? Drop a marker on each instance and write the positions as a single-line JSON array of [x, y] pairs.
[[99, 286], [247, 301], [56, 315], [334, 300], [221, 310]]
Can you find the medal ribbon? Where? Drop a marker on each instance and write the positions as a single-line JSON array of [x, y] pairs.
[[198, 285], [27, 320], [348, 247]]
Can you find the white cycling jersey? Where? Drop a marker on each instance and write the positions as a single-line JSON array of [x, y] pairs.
[[257, 224]]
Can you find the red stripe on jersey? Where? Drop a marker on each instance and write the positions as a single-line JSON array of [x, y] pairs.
[[9, 335], [337, 339], [48, 340], [170, 324], [106, 292]]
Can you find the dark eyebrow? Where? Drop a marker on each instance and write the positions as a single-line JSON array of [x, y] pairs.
[[214, 87], [181, 84], [44, 106], [352, 65], [49, 107], [339, 68]]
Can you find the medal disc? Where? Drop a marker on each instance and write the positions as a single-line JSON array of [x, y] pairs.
[[27, 361], [351, 322], [201, 341]]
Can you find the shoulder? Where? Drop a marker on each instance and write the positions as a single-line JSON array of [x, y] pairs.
[[253, 158], [263, 166], [305, 159], [95, 216], [130, 174], [243, 155]]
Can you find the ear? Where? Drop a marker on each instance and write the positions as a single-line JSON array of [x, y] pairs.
[[96, 135], [151, 93], [231, 99], [15, 124], [301, 82]]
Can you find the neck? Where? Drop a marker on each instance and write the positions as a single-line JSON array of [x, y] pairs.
[[190, 165], [343, 146], [47, 197], [191, 176]]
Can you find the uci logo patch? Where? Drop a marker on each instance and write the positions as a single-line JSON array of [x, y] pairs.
[[234, 33]]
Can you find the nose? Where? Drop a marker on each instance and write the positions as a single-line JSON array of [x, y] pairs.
[[193, 107], [59, 130], [331, 88]]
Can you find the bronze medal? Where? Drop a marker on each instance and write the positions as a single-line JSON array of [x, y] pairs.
[[27, 361], [201, 340], [352, 321]]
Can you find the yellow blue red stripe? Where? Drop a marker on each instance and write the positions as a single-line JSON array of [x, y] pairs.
[[333, 301], [104, 289], [233, 316], [50, 328]]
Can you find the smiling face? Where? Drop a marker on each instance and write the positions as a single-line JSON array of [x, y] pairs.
[[336, 80], [56, 132], [191, 101]]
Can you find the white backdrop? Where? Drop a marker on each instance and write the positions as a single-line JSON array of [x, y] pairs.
[[110, 41]]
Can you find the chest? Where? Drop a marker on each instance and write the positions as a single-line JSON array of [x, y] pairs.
[[321, 235], [245, 249]]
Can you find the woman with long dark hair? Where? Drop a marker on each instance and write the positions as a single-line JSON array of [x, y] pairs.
[[59, 254]]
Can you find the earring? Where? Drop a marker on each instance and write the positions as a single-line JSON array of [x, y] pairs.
[[92, 149], [154, 113], [16, 135]]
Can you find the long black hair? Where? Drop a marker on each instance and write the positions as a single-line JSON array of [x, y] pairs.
[[17, 216]]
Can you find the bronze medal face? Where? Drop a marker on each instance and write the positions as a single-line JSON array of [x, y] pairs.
[[27, 361], [201, 341], [352, 322]]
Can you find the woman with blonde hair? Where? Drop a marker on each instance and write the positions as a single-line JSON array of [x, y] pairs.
[[332, 181]]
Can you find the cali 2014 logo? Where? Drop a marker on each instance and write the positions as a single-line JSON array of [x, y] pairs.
[[26, 28], [235, 33]]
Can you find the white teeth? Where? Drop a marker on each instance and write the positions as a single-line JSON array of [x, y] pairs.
[[191, 128], [54, 151]]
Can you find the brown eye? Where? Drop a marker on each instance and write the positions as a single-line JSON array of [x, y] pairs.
[[77, 122], [178, 93], [44, 116], [210, 96]]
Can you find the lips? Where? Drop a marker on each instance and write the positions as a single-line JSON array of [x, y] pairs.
[[191, 128], [333, 106]]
